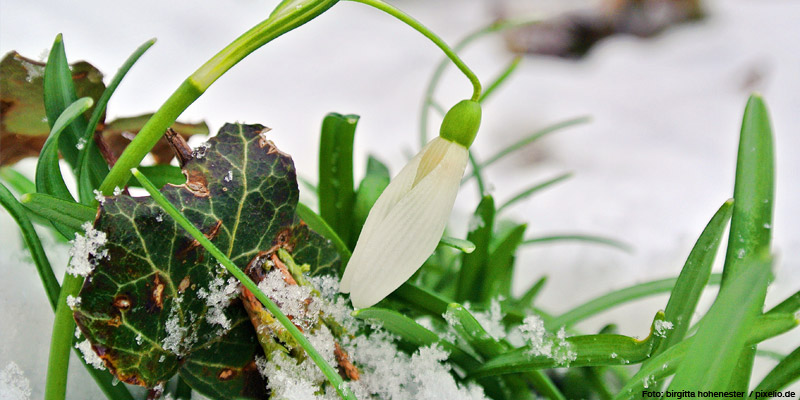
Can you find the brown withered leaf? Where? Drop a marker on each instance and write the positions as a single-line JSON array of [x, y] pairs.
[[23, 124]]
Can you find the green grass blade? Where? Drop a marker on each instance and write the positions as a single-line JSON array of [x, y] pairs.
[[66, 213], [18, 182], [87, 160], [414, 333], [512, 66], [533, 190], [665, 364], [617, 297], [335, 189], [48, 173], [330, 373], [31, 239], [59, 93], [751, 223], [790, 305], [580, 238], [722, 333], [694, 278], [462, 245], [528, 140], [370, 188], [529, 296], [488, 347], [473, 265], [317, 224], [784, 374], [161, 175], [421, 299], [497, 279]]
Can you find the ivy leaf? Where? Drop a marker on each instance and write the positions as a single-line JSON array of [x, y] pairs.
[[146, 308]]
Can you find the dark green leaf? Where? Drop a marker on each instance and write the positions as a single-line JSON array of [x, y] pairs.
[[241, 192], [336, 193], [473, 266], [161, 175]]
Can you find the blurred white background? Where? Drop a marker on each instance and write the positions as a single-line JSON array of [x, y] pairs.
[[650, 169]]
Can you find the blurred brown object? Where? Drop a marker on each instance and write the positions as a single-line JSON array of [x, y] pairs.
[[572, 34]]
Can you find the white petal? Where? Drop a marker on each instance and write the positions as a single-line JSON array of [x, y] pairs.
[[407, 235], [397, 188]]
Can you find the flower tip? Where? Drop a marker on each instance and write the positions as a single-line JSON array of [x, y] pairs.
[[461, 123]]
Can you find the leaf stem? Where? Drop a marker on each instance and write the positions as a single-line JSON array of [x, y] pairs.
[[61, 340], [327, 370], [289, 14], [419, 27]]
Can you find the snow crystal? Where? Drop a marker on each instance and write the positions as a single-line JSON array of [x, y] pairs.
[[86, 250], [73, 302], [159, 217], [117, 191], [77, 332], [89, 355], [291, 299], [33, 71], [13, 384], [201, 150], [613, 355], [139, 339], [661, 327], [81, 144], [218, 296], [228, 177], [98, 195], [491, 320], [543, 344], [178, 340]]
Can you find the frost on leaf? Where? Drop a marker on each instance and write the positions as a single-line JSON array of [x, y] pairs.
[[157, 305]]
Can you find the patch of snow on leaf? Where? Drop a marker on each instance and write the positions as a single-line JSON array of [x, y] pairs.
[[81, 144], [291, 299], [117, 191], [200, 151], [492, 320], [228, 177], [661, 327], [73, 301], [544, 344], [98, 195], [178, 340], [89, 355], [86, 250], [218, 296], [13, 384]]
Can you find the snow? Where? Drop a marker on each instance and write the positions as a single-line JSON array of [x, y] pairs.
[[13, 384], [542, 343], [661, 327], [86, 250], [73, 301], [291, 299], [179, 340], [492, 319], [228, 177], [89, 355], [218, 295], [98, 195], [81, 144]]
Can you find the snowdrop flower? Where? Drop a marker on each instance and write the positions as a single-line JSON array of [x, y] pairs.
[[406, 223]]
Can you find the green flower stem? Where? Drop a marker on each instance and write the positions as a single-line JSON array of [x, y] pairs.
[[408, 20], [329, 371], [288, 15], [439, 71], [61, 341]]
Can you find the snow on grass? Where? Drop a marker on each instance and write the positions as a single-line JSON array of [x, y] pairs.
[[13, 384], [86, 250], [293, 300], [542, 343], [661, 327]]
